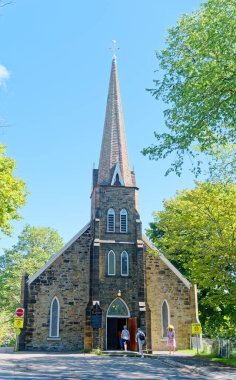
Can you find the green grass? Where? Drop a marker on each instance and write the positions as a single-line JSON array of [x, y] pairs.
[[189, 352], [210, 357], [85, 351], [231, 362], [96, 351]]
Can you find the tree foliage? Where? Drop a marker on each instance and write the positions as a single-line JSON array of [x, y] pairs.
[[198, 85], [12, 192], [197, 232], [34, 248]]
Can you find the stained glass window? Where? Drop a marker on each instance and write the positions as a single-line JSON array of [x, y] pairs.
[[111, 263], [54, 318], [124, 264], [165, 319], [118, 308]]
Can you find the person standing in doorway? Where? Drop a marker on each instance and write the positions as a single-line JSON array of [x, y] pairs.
[[171, 343], [125, 337], [140, 338]]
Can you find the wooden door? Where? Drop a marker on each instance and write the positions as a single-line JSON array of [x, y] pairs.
[[132, 327], [111, 333]]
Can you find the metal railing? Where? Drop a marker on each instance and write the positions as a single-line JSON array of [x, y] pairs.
[[226, 349]]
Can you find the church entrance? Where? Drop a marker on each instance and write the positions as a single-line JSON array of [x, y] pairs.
[[114, 328], [118, 315]]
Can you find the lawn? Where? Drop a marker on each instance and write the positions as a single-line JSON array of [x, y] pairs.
[[210, 357]]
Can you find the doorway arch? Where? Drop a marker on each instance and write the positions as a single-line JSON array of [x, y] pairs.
[[117, 316]]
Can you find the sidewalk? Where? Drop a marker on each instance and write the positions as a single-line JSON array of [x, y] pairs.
[[198, 364]]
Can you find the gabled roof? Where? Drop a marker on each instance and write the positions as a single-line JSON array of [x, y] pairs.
[[117, 172], [166, 261], [114, 148], [59, 253]]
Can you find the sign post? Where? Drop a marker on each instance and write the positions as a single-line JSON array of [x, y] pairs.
[[19, 321], [20, 312], [196, 329], [18, 331]]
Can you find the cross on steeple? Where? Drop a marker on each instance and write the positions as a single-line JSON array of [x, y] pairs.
[[114, 47]]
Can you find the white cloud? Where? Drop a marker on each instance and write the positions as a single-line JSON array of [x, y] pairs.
[[4, 75]]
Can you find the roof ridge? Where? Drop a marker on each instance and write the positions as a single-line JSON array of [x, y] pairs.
[[167, 262]]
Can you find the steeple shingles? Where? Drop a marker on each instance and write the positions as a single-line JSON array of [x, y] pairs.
[[114, 148]]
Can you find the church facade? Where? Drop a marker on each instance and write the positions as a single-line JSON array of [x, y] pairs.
[[109, 274]]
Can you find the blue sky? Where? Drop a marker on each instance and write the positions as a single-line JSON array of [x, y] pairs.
[[57, 64]]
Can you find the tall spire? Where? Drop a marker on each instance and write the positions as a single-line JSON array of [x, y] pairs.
[[114, 162]]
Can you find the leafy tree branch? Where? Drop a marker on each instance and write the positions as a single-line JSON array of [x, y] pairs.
[[198, 85]]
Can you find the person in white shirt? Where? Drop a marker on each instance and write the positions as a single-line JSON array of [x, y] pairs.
[[125, 337], [140, 338]]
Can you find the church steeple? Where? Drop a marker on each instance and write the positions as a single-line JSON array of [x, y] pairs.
[[114, 162]]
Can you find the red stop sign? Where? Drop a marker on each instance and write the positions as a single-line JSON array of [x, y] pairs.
[[20, 312]]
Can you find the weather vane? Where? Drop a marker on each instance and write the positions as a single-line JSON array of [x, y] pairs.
[[114, 47]]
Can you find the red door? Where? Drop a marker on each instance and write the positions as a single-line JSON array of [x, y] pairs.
[[132, 327]]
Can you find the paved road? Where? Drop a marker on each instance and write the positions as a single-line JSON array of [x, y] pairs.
[[58, 366], [212, 370]]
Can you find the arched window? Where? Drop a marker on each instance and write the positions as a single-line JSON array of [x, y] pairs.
[[123, 221], [54, 318], [165, 318], [118, 308], [124, 264], [111, 220], [111, 263]]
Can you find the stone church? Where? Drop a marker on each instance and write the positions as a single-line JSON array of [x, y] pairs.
[[108, 274]]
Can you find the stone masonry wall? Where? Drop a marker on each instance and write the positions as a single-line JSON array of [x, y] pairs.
[[116, 197], [105, 287], [163, 284], [67, 278]]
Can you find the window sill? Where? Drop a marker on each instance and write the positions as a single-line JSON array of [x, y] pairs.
[[53, 338], [118, 275], [118, 232], [164, 339]]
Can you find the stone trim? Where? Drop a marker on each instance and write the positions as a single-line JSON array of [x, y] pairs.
[[167, 262], [114, 242], [59, 253], [53, 338]]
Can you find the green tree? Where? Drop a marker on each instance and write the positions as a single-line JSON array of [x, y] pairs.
[[197, 232], [7, 333], [197, 81], [12, 192], [34, 248]]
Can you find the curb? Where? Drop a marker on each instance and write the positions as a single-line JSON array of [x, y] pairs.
[[190, 368], [6, 350]]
